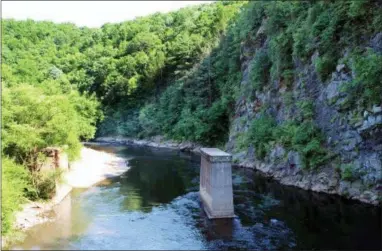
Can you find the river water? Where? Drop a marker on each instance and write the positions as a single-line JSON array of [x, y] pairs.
[[155, 205]]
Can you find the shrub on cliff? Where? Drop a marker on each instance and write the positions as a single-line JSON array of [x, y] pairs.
[[261, 133], [260, 70], [366, 88], [305, 138]]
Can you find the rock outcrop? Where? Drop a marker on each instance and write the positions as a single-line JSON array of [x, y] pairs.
[[353, 136]]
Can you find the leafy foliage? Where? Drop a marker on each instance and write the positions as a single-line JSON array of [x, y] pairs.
[[348, 172], [38, 117], [366, 88], [15, 181], [260, 70], [261, 134], [305, 138]]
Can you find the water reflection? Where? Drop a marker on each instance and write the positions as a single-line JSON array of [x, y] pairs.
[[145, 186], [70, 222], [319, 221], [155, 205], [217, 229]]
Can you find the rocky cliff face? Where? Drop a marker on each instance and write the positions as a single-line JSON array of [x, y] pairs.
[[353, 136]]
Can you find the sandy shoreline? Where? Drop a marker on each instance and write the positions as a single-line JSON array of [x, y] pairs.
[[92, 167]]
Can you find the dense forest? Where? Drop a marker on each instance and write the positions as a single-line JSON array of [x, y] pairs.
[[178, 75]]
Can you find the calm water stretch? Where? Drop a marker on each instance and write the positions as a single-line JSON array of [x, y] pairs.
[[155, 205]]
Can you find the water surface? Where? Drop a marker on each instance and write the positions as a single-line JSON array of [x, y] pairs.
[[155, 205]]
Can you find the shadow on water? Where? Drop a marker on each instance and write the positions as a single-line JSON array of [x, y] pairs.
[[318, 221], [155, 205]]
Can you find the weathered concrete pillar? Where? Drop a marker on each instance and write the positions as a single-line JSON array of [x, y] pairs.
[[216, 183]]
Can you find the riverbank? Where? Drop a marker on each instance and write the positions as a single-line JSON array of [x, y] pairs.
[[325, 180], [91, 168], [156, 141]]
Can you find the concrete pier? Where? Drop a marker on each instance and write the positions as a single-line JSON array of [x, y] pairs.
[[216, 183]]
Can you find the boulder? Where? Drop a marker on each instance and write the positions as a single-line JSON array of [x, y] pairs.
[[377, 109], [340, 67], [376, 42], [294, 160], [325, 181], [277, 153], [370, 168]]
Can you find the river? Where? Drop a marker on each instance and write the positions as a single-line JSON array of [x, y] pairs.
[[155, 205]]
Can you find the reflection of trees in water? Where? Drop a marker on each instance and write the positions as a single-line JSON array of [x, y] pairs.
[[318, 220], [80, 216], [132, 200], [152, 181]]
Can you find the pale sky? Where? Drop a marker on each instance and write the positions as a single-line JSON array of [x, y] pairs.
[[88, 13]]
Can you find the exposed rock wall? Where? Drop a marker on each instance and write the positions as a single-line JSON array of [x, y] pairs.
[[353, 135]]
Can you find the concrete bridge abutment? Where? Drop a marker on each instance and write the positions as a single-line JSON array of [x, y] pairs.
[[216, 183]]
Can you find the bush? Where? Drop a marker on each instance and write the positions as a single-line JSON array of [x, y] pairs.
[[37, 117], [15, 185], [241, 142], [169, 107], [261, 133], [304, 138], [288, 99], [307, 140], [19, 185], [259, 73], [347, 172], [147, 120], [302, 47], [285, 134], [367, 86], [325, 65], [119, 121], [44, 184], [280, 53], [306, 108]]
